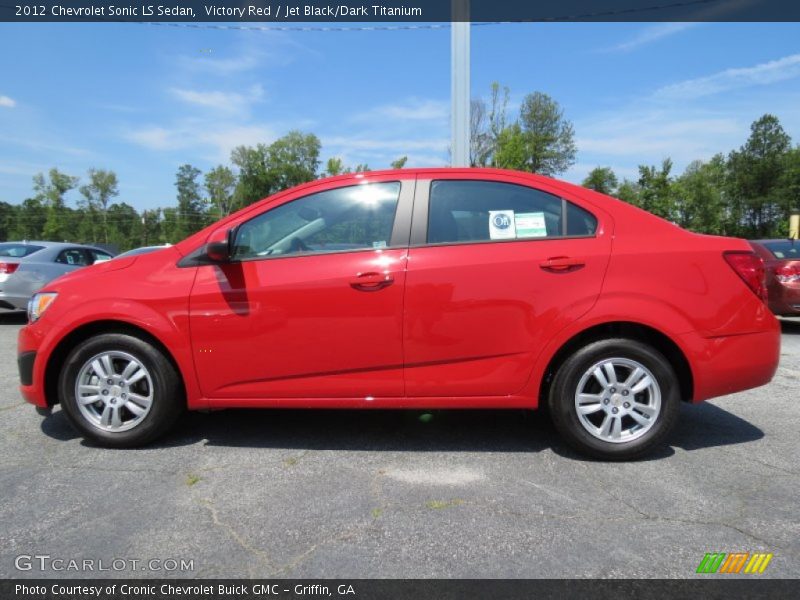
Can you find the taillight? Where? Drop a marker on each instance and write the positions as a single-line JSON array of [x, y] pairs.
[[750, 268], [787, 274], [8, 268]]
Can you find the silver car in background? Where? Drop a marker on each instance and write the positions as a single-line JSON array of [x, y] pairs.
[[25, 267]]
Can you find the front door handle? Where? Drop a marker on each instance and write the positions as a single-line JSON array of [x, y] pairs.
[[561, 263], [371, 281]]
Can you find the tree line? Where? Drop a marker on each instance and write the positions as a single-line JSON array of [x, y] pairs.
[[749, 192]]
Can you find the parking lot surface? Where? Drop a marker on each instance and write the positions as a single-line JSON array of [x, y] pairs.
[[400, 494]]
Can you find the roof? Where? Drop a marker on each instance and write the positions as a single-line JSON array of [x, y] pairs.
[[53, 244]]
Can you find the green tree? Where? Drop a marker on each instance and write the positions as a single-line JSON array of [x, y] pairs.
[[700, 198], [399, 163], [264, 170], [293, 159], [125, 226], [655, 189], [629, 192], [790, 182], [191, 207], [756, 172], [50, 191], [549, 137], [334, 166], [8, 217], [511, 151], [220, 184], [486, 124], [102, 187], [601, 179]]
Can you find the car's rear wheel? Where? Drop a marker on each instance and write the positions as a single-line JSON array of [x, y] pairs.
[[120, 391], [615, 399]]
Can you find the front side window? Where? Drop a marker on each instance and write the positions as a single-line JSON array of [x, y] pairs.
[[349, 218], [99, 257], [478, 211]]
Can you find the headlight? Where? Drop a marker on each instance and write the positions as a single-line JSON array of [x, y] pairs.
[[38, 304]]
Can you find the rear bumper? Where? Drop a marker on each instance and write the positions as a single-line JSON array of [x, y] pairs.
[[784, 300], [728, 364]]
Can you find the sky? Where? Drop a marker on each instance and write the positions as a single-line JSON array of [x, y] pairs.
[[143, 99]]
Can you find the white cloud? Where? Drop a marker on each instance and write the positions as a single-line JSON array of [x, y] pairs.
[[651, 34], [214, 143], [657, 133], [156, 138], [41, 143], [230, 102], [6, 102], [396, 145], [766, 73], [414, 109], [267, 49]]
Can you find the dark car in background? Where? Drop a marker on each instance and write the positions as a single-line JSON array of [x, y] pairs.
[[782, 266], [27, 266]]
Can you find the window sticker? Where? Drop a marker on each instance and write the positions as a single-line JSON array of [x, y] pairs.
[[380, 244], [530, 225], [501, 225]]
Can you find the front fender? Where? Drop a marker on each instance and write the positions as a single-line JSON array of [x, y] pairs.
[[173, 333]]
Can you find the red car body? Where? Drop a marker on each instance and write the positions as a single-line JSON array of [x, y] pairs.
[[465, 325], [782, 266]]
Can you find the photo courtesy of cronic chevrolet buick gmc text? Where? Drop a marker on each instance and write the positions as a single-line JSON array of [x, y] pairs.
[[430, 288]]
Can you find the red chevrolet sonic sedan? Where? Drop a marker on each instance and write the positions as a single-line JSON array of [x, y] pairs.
[[431, 288]]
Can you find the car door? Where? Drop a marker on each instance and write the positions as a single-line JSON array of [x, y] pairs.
[[496, 267], [311, 304]]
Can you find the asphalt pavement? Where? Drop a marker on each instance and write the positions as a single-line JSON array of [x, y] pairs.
[[356, 494]]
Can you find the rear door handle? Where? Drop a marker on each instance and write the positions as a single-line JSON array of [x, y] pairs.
[[371, 281], [561, 263]]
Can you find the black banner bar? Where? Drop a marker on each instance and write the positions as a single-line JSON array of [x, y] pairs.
[[391, 589], [279, 12]]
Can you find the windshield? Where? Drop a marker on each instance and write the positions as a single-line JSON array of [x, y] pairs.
[[18, 250]]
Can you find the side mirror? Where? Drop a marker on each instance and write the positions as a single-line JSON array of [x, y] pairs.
[[219, 245]]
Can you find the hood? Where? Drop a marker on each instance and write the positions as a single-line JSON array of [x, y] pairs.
[[99, 269]]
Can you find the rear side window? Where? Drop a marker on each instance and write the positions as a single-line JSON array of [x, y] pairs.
[[18, 250], [480, 211], [784, 249]]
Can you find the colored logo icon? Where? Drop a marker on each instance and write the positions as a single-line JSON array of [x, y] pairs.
[[735, 562]]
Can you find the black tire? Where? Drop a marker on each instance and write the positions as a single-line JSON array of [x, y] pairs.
[[167, 404], [565, 386]]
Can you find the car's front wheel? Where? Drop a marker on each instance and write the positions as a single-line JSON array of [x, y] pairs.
[[615, 399], [120, 391]]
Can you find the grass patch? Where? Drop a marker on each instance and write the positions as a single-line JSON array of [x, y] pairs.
[[376, 512], [192, 479]]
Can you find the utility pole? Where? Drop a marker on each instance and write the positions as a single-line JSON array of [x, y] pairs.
[[459, 83]]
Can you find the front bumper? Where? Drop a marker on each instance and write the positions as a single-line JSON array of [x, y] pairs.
[[31, 369], [10, 302]]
